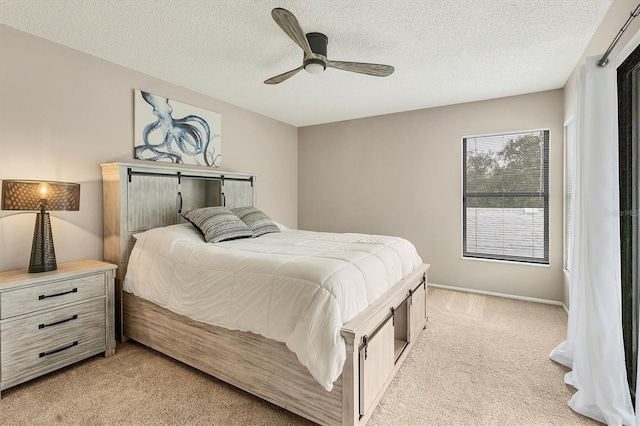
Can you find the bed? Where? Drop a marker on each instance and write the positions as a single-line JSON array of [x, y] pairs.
[[375, 332]]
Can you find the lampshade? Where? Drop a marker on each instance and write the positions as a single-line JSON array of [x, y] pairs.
[[40, 195]]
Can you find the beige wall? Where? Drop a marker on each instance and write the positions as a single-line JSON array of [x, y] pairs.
[[62, 113], [613, 21], [400, 174]]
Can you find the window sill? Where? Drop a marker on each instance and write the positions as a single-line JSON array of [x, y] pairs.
[[510, 262]]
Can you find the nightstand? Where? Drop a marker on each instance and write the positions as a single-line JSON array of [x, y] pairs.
[[52, 319]]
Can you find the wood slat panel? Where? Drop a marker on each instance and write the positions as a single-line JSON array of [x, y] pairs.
[[417, 313], [152, 202], [238, 194], [251, 362], [109, 310], [376, 364], [113, 208]]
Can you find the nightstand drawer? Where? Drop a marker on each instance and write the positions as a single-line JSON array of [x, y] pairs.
[[39, 357], [52, 328], [31, 299]]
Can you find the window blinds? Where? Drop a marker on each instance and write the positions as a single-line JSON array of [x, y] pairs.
[[506, 196]]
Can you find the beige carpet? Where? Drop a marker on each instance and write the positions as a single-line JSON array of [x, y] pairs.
[[482, 360]]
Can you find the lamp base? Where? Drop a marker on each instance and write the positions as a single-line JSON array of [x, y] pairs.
[[43, 256]]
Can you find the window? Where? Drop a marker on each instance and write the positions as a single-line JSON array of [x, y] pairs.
[[569, 147], [505, 197]]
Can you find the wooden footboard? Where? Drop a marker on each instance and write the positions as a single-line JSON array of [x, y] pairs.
[[378, 341], [269, 370]]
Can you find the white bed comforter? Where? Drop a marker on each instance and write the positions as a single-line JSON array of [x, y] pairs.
[[295, 287]]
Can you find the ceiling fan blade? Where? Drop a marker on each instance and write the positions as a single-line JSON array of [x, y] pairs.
[[289, 24], [282, 77], [377, 70]]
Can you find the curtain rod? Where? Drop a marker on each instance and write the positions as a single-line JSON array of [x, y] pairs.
[[604, 61]]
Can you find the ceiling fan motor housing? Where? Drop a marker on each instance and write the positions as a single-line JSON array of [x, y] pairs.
[[318, 43]]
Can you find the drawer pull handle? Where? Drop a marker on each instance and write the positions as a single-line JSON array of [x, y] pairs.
[[55, 351], [41, 326], [41, 297]]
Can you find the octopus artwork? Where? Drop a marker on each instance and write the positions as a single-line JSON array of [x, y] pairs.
[[177, 140]]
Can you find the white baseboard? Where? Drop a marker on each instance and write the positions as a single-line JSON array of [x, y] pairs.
[[508, 296]]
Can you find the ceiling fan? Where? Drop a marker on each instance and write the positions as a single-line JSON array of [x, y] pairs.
[[314, 46]]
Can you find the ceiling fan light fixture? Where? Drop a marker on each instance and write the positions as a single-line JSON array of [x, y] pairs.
[[314, 67]]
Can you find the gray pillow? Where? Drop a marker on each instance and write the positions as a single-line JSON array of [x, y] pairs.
[[218, 224], [255, 219]]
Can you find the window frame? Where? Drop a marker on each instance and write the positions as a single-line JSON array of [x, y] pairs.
[[629, 164], [466, 254]]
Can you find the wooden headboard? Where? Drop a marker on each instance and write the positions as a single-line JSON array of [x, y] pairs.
[[141, 196]]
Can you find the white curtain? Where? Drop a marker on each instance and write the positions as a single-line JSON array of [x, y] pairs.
[[594, 348]]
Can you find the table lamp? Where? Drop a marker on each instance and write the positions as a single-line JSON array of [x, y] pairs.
[[41, 195]]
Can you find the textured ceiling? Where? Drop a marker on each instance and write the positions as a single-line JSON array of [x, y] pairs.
[[444, 51]]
